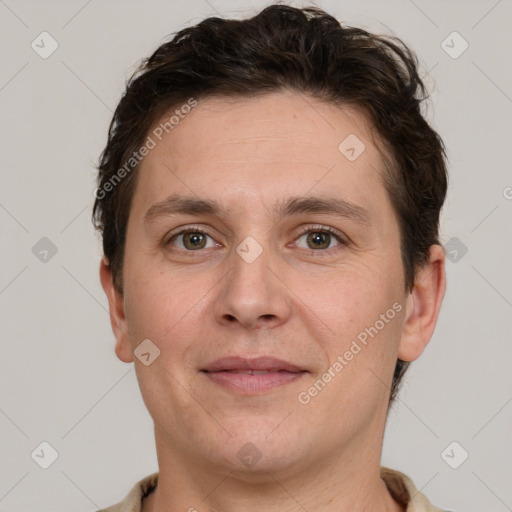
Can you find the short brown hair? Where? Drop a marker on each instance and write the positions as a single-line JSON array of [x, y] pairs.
[[304, 50]]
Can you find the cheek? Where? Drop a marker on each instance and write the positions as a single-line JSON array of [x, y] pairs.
[[367, 320], [354, 298], [168, 309], [165, 310], [361, 351]]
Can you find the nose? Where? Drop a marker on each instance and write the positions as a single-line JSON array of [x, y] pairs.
[[252, 295]]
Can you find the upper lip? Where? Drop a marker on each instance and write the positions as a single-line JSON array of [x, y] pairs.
[[258, 363]]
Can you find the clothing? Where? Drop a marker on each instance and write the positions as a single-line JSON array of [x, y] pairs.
[[399, 485]]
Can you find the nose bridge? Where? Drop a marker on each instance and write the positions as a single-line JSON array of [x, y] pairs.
[[250, 268], [251, 292]]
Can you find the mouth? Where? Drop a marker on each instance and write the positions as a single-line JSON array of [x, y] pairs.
[[251, 376]]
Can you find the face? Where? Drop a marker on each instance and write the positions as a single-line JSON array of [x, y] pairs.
[[263, 262]]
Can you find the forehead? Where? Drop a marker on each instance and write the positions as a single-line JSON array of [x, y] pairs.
[[260, 148], [278, 123]]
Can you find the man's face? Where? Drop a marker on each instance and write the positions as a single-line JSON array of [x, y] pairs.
[[264, 278]]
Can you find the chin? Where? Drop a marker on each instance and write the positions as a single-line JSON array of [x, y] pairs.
[[257, 448], [264, 466]]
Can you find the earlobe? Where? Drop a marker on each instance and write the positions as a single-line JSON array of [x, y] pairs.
[[423, 305], [117, 315]]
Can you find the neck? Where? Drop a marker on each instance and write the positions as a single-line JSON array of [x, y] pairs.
[[340, 484]]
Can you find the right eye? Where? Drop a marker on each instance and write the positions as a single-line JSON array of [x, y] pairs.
[[191, 240]]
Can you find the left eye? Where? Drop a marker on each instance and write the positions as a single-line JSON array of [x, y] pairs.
[[319, 239]]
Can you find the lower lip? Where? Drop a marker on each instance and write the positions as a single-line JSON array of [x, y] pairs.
[[247, 383]]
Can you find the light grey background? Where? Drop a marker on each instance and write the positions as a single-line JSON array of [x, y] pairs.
[[61, 381]]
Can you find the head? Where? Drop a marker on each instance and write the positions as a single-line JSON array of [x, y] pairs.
[[242, 115]]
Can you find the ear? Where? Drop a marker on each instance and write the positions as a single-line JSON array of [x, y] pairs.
[[117, 318], [423, 305]]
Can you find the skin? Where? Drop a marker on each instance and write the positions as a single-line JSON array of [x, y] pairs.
[[296, 302]]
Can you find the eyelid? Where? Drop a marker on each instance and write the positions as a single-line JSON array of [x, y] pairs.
[[318, 227], [340, 237], [321, 227], [186, 229]]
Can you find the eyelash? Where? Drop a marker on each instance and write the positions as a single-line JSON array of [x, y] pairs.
[[323, 229], [308, 229]]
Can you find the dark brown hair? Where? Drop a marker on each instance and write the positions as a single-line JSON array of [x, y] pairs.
[[304, 50]]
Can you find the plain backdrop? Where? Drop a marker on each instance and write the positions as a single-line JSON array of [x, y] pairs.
[[60, 379]]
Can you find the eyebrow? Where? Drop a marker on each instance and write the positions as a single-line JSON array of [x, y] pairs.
[[176, 204]]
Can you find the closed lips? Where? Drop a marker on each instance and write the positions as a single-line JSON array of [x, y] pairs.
[[254, 366], [252, 376], [254, 372]]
